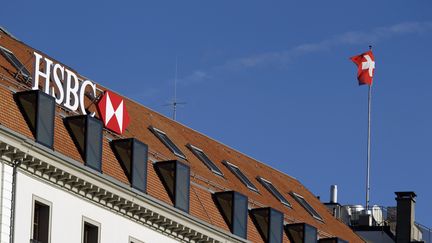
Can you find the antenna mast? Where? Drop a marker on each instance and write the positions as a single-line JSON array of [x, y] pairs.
[[175, 103]]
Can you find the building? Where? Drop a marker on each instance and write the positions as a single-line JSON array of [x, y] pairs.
[[381, 224], [80, 163]]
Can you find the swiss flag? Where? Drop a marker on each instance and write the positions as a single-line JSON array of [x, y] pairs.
[[113, 112], [366, 66]]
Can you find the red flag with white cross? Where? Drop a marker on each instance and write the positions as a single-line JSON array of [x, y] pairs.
[[366, 66]]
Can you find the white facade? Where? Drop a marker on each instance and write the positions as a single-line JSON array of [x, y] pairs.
[[67, 215], [6, 201]]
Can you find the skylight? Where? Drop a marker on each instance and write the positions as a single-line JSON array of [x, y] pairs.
[[15, 62], [242, 177], [205, 159], [306, 205], [167, 142], [269, 186]]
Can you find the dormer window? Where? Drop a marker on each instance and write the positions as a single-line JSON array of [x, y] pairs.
[[86, 132], [234, 209], [132, 155], [38, 110], [175, 177], [269, 223], [205, 159], [163, 137], [301, 233]]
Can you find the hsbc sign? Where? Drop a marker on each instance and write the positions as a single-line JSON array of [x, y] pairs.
[[63, 84], [113, 112]]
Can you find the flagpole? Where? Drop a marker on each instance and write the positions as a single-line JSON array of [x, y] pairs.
[[368, 147]]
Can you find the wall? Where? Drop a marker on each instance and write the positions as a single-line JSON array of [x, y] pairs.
[[67, 213], [5, 201]]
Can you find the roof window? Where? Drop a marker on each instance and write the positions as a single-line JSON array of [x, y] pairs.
[[15, 62], [132, 155], [269, 223], [242, 177], [175, 177], [38, 110], [234, 209], [301, 233], [205, 159], [272, 189], [306, 205], [86, 132], [167, 142]]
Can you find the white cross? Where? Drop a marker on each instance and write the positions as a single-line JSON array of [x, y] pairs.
[[369, 64]]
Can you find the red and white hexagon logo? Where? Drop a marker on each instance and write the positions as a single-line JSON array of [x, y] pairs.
[[113, 112]]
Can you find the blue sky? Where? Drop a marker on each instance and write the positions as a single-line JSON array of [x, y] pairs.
[[271, 79]]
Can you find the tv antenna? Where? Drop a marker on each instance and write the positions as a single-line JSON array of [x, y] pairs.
[[174, 103]]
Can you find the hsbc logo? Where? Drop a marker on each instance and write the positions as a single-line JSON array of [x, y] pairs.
[[113, 112]]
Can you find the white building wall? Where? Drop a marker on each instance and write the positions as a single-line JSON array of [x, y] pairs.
[[67, 214], [5, 201]]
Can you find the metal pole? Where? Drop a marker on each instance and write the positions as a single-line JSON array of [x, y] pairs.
[[368, 149], [175, 92]]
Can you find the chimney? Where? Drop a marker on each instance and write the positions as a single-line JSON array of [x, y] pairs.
[[333, 194], [405, 216]]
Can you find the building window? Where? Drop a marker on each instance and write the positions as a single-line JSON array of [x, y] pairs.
[[234, 209], [242, 177], [133, 240], [269, 223], [272, 189], [41, 226], [38, 110], [15, 62], [91, 231], [175, 177], [205, 159], [306, 206], [163, 137], [86, 132], [132, 155], [301, 233]]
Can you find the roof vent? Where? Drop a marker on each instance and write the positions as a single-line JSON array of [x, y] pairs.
[[234, 209], [86, 132], [132, 155], [175, 177], [38, 110], [269, 223]]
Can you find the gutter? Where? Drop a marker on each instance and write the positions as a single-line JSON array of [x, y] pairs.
[[15, 166]]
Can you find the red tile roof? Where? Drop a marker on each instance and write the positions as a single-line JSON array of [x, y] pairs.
[[203, 181]]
